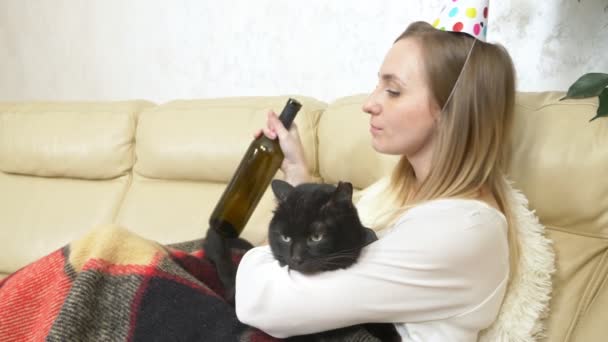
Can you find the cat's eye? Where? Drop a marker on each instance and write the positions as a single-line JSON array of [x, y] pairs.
[[316, 237], [285, 238]]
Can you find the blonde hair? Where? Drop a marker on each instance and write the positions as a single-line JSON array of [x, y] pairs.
[[471, 150]]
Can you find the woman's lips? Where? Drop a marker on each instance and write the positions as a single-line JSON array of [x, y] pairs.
[[374, 130]]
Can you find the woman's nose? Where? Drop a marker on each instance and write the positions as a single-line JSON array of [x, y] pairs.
[[371, 106]]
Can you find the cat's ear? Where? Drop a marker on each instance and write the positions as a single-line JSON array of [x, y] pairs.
[[343, 192], [281, 189]]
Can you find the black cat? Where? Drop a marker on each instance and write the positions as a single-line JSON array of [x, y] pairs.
[[314, 228]]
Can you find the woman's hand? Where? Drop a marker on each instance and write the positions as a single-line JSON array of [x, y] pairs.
[[294, 164]]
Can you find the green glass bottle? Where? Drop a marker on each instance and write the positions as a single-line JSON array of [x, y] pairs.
[[251, 179]]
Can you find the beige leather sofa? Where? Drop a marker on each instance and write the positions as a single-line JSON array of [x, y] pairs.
[[159, 169]]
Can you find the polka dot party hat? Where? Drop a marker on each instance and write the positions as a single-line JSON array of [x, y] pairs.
[[468, 16]]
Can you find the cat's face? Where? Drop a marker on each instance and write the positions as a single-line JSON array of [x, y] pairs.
[[315, 227]]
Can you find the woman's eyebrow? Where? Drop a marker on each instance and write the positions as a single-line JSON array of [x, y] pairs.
[[391, 77]]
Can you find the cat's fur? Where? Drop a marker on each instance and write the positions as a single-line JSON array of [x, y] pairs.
[[217, 249], [314, 228]]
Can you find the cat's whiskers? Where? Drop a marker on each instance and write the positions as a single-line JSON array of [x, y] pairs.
[[341, 259]]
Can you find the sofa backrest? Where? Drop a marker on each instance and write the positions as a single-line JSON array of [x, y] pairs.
[[64, 167], [187, 152], [560, 160], [69, 166]]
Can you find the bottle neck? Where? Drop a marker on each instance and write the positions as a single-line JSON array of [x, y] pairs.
[[289, 112]]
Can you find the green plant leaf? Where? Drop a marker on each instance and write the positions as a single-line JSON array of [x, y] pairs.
[[602, 109], [588, 85]]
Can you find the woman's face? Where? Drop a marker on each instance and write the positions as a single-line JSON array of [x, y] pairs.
[[402, 111]]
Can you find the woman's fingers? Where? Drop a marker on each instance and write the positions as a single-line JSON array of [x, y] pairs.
[[276, 125], [274, 128], [269, 133]]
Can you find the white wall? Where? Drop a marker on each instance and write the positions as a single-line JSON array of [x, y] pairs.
[[161, 50]]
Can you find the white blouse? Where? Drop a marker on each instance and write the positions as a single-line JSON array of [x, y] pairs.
[[439, 274]]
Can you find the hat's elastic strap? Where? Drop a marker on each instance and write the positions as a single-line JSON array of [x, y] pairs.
[[459, 75]]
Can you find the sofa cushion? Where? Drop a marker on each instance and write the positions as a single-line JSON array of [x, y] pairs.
[[188, 150], [88, 140], [204, 140], [170, 211], [39, 215], [64, 168], [559, 161]]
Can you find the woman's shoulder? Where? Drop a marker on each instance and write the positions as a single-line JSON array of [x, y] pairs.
[[460, 235], [452, 222], [468, 210]]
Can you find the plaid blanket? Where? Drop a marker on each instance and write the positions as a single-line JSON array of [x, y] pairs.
[[113, 285]]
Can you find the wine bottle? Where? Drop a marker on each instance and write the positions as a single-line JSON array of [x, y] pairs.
[[251, 179]]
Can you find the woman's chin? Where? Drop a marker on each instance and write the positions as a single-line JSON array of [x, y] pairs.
[[383, 149], [379, 147]]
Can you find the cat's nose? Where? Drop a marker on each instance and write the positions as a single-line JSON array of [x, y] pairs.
[[297, 259]]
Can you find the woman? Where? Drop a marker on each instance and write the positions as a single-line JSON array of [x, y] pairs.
[[444, 102]]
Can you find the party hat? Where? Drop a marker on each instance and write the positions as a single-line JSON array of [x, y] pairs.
[[468, 16]]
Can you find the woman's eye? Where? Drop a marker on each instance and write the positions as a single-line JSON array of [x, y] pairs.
[[316, 237], [285, 238], [393, 93]]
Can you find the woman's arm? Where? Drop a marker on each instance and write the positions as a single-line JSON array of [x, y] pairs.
[[435, 264]]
